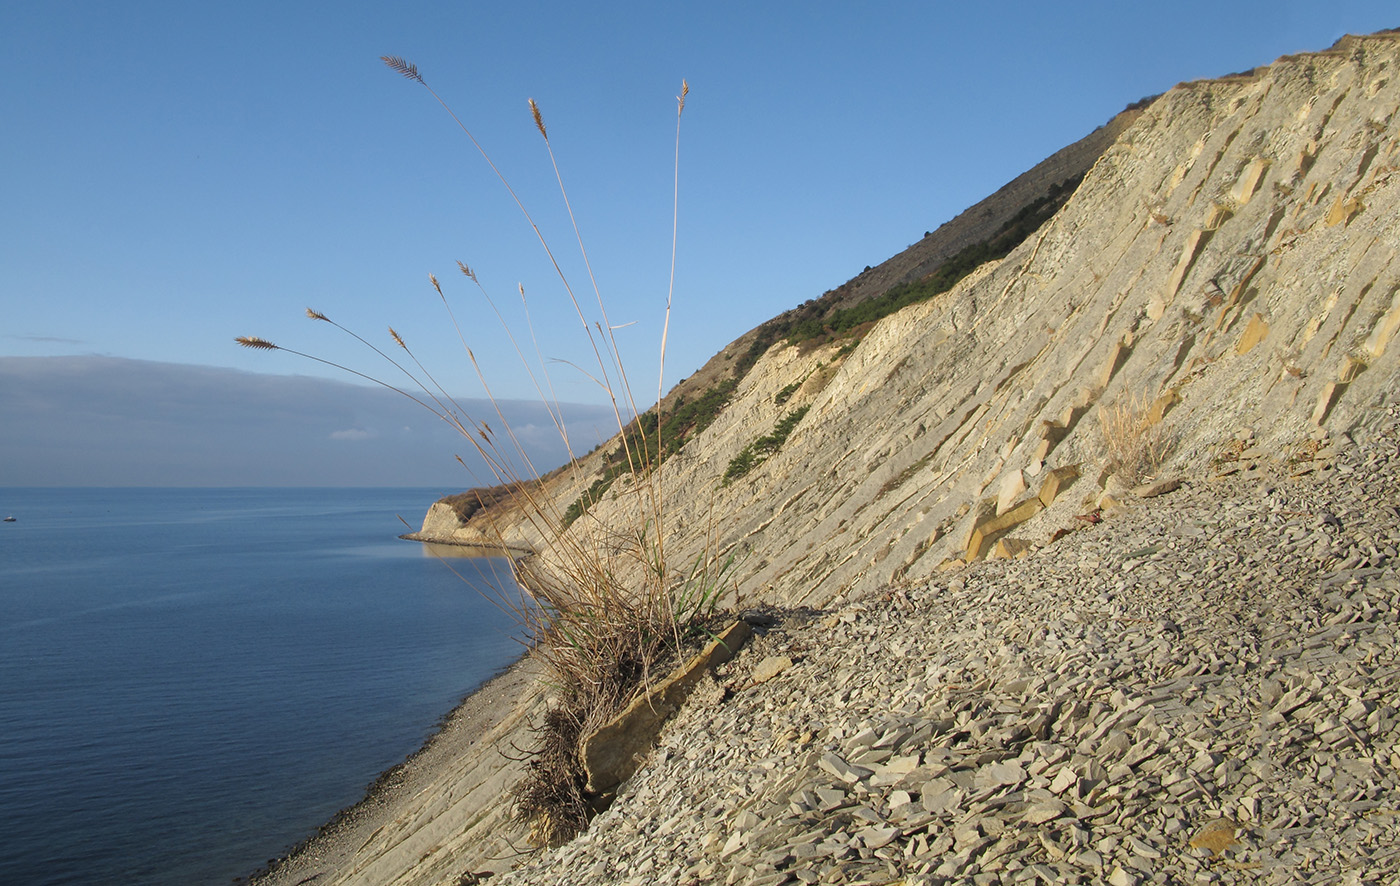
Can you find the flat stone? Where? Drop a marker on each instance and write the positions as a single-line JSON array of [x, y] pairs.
[[732, 845], [1088, 859], [942, 796], [1160, 487], [878, 837], [769, 668], [999, 775], [967, 832], [893, 770], [1120, 877], [1141, 847], [842, 770], [1042, 812]]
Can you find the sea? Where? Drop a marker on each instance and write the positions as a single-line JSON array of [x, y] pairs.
[[193, 680]]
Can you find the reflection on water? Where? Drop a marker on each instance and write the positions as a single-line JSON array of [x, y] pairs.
[[442, 551], [487, 569]]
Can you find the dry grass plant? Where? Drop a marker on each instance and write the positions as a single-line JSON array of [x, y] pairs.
[[601, 631], [1135, 444]]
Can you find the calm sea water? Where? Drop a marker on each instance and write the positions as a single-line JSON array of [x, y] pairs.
[[192, 680]]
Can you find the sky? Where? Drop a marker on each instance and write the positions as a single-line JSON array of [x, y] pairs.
[[177, 174]]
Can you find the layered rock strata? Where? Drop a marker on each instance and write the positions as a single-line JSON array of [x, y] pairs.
[[1230, 261]]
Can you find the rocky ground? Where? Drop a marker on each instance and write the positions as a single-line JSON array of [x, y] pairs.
[[1200, 689]]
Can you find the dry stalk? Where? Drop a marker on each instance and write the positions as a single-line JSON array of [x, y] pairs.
[[604, 608]]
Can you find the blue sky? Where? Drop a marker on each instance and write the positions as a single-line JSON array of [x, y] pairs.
[[177, 174]]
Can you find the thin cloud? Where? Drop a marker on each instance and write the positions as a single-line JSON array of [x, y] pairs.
[[351, 434], [45, 339], [104, 421]]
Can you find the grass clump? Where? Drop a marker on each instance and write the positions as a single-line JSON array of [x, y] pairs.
[[648, 441], [601, 604], [1135, 444]]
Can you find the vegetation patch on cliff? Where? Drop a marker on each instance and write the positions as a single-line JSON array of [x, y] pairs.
[[813, 322], [466, 504], [757, 452]]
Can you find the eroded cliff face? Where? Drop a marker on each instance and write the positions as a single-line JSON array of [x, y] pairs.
[[1229, 263]]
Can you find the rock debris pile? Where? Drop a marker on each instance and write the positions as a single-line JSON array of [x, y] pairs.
[[1200, 689]]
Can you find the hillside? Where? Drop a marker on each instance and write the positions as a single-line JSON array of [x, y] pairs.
[[1044, 187], [1227, 264], [1201, 690], [1082, 565]]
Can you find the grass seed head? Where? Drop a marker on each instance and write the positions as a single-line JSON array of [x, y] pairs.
[[539, 120], [406, 68], [252, 341]]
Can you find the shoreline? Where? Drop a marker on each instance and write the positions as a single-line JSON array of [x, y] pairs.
[[331, 848], [469, 548]]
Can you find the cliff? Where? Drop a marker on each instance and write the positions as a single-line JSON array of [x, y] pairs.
[[1226, 266]]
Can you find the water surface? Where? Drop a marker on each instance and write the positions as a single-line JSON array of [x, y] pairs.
[[192, 680]]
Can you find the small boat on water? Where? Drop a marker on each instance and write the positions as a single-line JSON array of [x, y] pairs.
[[9, 519]]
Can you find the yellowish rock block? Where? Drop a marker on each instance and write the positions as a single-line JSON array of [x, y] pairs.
[[1011, 549], [986, 532], [1351, 368], [1248, 183], [1057, 481], [1217, 216], [1195, 242], [1385, 329], [1012, 487], [1343, 211], [1162, 405], [1115, 361], [1254, 333], [1331, 393], [614, 751]]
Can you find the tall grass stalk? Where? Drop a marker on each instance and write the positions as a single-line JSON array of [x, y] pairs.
[[604, 607]]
